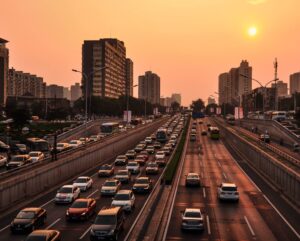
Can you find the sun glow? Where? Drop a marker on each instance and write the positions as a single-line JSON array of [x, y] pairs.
[[252, 31]]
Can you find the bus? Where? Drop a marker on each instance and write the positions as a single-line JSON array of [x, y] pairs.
[[136, 121], [279, 115], [37, 144], [214, 133], [109, 128], [161, 135]]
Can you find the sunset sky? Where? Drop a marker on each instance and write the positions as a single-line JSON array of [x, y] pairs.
[[188, 43]]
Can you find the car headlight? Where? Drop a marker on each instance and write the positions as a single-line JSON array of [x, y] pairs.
[[83, 214], [67, 213], [111, 232]]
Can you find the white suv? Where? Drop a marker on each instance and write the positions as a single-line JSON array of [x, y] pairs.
[[228, 191], [67, 194], [133, 167], [192, 219], [124, 199]]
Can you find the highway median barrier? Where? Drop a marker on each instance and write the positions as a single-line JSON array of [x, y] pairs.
[[173, 164]]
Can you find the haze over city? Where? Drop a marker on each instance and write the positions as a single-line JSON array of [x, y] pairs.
[[187, 42]]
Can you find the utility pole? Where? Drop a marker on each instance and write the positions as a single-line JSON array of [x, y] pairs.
[[275, 80]]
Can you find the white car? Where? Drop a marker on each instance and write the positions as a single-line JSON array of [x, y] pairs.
[[148, 140], [133, 167], [124, 199], [123, 176], [3, 161], [228, 191], [67, 194], [84, 183], [110, 187], [192, 219], [62, 146], [84, 139], [95, 138], [75, 143], [36, 156], [160, 155]]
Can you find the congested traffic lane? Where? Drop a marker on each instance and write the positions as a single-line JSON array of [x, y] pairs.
[[79, 230], [251, 218]]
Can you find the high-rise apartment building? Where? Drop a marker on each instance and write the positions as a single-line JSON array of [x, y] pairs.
[[55, 91], [149, 87], [25, 84], [234, 84], [75, 92], [295, 82], [4, 57], [109, 81], [176, 98], [66, 93], [129, 77], [282, 88]]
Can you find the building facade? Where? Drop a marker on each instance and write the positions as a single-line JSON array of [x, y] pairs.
[[75, 92], [21, 84], [211, 100], [282, 88], [55, 91], [294, 83], [4, 59], [129, 77], [104, 66], [176, 98], [225, 88], [149, 87], [66, 93]]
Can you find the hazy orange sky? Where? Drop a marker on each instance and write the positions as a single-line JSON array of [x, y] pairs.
[[188, 43]]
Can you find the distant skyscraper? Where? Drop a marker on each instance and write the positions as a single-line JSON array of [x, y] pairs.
[[149, 87], [282, 88], [109, 53], [55, 91], [75, 92], [176, 97], [25, 84], [67, 93], [4, 57], [295, 82], [233, 85], [129, 76], [211, 100]]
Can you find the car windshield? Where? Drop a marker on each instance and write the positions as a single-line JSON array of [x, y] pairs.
[[122, 197], [65, 190], [73, 142], [132, 164], [152, 165], [79, 204], [36, 238], [231, 189], [105, 220], [193, 176], [150, 147], [80, 180], [34, 154], [105, 168], [192, 215], [110, 184], [60, 145], [21, 145], [121, 157], [25, 215], [160, 153], [17, 158], [141, 181], [130, 152]]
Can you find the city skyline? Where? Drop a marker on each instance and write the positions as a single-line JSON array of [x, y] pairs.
[[199, 52]]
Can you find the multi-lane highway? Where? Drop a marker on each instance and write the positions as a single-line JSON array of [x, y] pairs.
[[252, 218]]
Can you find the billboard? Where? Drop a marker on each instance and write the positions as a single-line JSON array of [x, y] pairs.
[[127, 116], [238, 113]]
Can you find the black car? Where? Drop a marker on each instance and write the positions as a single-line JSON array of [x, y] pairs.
[[108, 224], [142, 185], [28, 219], [44, 235], [19, 149]]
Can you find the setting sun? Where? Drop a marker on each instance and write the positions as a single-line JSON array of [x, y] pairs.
[[252, 31]]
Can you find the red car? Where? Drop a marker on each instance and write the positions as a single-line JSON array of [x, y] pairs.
[[82, 208], [141, 159]]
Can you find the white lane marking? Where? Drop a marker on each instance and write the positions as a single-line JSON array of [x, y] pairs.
[[4, 228], [224, 175], [85, 233], [249, 226], [204, 193], [290, 226], [45, 204], [52, 224], [219, 164], [208, 225], [92, 193]]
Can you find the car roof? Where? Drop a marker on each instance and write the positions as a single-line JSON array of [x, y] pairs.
[[227, 184], [82, 177], [42, 232], [147, 178], [193, 173], [109, 210], [194, 210], [124, 192], [83, 199], [71, 186], [31, 209]]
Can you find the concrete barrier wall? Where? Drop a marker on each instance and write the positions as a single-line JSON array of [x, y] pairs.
[[276, 133], [286, 180], [34, 182]]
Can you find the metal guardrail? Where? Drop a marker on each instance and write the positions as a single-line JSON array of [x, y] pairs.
[[17, 171]]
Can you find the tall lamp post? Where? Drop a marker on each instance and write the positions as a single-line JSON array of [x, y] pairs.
[[264, 87]]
